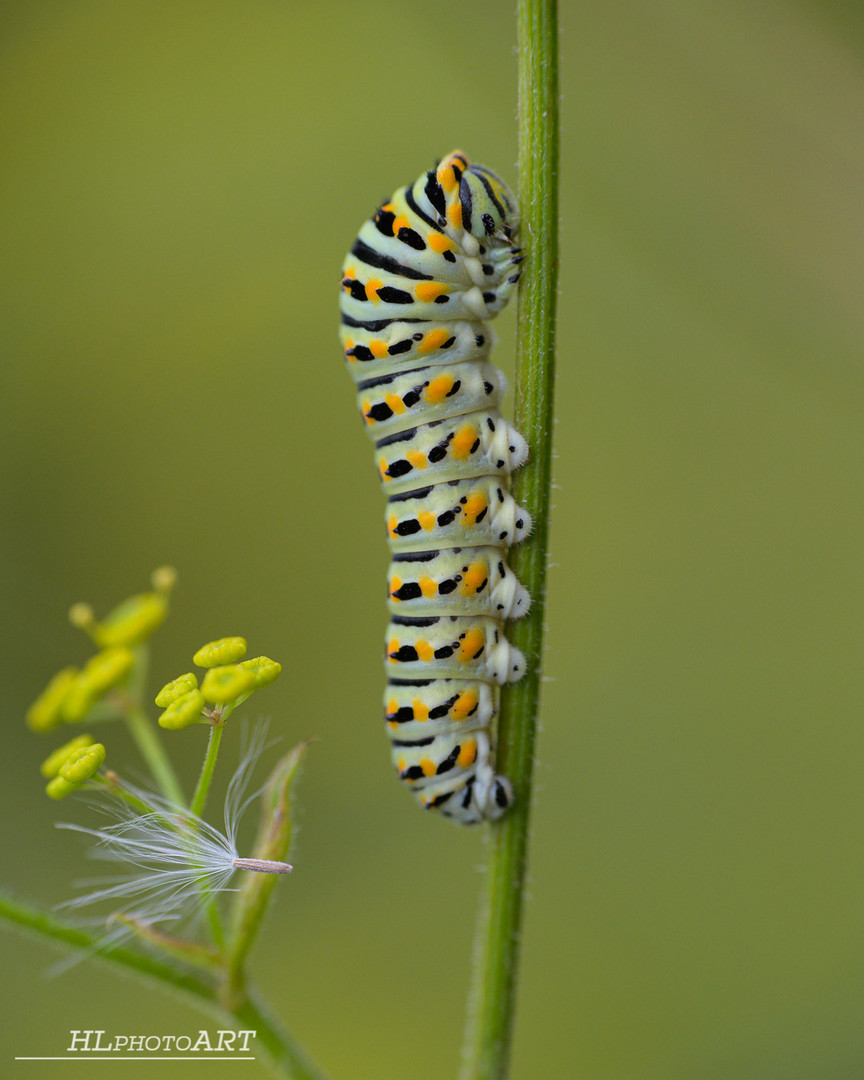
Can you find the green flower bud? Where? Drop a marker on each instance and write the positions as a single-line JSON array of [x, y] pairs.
[[77, 769], [108, 668], [133, 621], [53, 763], [224, 684], [81, 615], [226, 650], [183, 711], [59, 788], [79, 699], [45, 713], [176, 689], [163, 579], [264, 669], [82, 764]]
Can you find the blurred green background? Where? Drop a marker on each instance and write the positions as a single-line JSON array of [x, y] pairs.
[[178, 185]]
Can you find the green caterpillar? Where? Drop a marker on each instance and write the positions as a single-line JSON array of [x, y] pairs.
[[425, 273]]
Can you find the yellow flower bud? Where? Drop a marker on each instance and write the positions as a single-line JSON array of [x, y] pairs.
[[226, 650], [81, 615], [108, 668], [133, 621], [79, 699], [224, 684], [82, 764], [182, 711], [163, 579], [264, 669], [176, 689], [45, 713], [59, 788], [53, 763]]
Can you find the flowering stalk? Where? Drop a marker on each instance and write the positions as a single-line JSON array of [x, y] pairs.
[[278, 1048]]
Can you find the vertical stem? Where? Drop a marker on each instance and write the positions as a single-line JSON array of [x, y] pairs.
[[147, 741], [199, 799], [144, 734], [487, 1047]]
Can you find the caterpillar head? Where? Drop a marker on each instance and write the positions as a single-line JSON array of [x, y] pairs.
[[489, 210], [472, 204]]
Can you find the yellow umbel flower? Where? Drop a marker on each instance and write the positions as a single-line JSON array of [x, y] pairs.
[[54, 762], [46, 711], [264, 669], [226, 650], [77, 769], [227, 683], [182, 711], [177, 688]]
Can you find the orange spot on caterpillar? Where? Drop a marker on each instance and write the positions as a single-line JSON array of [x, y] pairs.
[[476, 505], [464, 705], [392, 522], [427, 520], [424, 651], [395, 586], [467, 754], [462, 442], [378, 349], [417, 459], [372, 286], [397, 405], [471, 645], [392, 648], [428, 587], [421, 710], [475, 576], [426, 291], [432, 341], [439, 243], [438, 389], [428, 766], [454, 212]]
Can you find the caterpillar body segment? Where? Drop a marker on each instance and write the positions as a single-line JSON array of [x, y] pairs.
[[464, 513], [451, 646], [478, 444], [426, 271], [473, 580]]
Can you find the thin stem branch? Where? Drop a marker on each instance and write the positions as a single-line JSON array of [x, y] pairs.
[[199, 799], [284, 1056], [148, 743], [143, 732], [487, 1047]]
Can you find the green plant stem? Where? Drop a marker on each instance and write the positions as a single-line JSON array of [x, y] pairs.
[[144, 733], [147, 741], [199, 799], [487, 1046], [284, 1056]]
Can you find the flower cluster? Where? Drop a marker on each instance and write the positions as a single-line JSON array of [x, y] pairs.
[[73, 695], [172, 864], [229, 681]]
